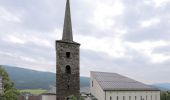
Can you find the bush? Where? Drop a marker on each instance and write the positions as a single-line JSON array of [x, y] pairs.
[[72, 97]]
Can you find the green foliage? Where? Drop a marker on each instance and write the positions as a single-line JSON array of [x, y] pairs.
[[9, 92], [72, 97], [165, 95], [33, 91]]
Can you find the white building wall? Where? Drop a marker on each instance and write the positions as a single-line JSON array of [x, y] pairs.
[[48, 97], [96, 90], [130, 95]]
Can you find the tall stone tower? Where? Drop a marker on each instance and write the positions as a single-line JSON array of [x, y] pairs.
[[67, 54]]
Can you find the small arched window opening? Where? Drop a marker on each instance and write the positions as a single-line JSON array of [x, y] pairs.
[[68, 69]]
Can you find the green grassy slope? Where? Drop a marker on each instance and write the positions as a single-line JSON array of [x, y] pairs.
[[31, 79]]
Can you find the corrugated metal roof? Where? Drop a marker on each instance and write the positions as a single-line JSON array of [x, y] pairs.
[[114, 81]]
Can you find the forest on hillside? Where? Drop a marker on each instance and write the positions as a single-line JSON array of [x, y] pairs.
[[31, 79]]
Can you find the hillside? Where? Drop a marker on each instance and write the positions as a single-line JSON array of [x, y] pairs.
[[163, 86], [31, 79]]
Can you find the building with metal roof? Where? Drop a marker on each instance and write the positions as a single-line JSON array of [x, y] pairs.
[[113, 86]]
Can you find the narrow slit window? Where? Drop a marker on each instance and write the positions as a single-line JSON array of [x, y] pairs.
[[129, 97], [110, 98], [151, 97], [68, 54], [68, 87]]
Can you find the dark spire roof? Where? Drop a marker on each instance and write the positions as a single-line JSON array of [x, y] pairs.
[[67, 30]]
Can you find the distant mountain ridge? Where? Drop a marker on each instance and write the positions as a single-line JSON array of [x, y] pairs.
[[163, 86], [31, 79]]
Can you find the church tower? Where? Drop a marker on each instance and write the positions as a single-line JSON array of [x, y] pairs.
[[67, 61]]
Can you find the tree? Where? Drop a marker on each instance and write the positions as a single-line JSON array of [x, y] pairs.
[[165, 95], [72, 97], [9, 91]]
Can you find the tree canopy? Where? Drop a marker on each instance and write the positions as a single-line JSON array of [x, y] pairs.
[[165, 95], [9, 90]]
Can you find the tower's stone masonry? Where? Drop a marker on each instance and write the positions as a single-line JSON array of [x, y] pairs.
[[68, 81], [67, 61]]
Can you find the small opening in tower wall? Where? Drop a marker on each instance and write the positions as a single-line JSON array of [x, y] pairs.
[[68, 54], [68, 87], [68, 69]]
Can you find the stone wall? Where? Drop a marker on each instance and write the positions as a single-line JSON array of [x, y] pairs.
[[68, 78]]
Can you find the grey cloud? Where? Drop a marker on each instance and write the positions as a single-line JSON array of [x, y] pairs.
[[41, 15], [136, 66], [159, 32], [163, 50], [137, 13], [40, 18]]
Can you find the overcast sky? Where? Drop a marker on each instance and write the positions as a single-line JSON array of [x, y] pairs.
[[129, 37]]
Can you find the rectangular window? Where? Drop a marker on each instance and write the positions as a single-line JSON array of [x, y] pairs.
[[146, 98], [155, 97], [68, 54], [129, 97], [123, 97], [92, 83], [117, 98], [140, 97], [110, 98], [135, 98], [151, 97]]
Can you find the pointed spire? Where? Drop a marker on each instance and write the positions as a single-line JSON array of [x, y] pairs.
[[67, 30]]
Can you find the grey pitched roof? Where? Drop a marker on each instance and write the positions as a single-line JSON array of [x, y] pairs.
[[114, 81]]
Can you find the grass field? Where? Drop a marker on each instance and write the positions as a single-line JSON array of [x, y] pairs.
[[33, 91]]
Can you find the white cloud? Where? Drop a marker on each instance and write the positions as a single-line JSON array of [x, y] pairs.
[[109, 45], [14, 39], [8, 16], [156, 3], [147, 48], [104, 14], [149, 23], [159, 58], [160, 2]]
